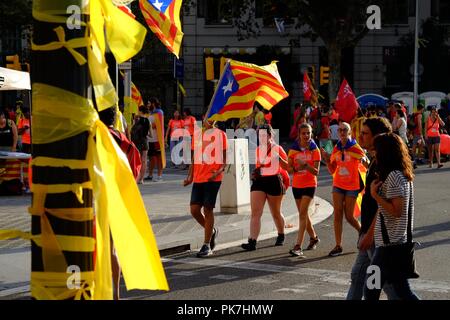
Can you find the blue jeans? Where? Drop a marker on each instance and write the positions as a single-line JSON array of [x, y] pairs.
[[400, 287], [359, 277]]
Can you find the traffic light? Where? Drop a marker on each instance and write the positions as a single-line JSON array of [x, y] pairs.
[[324, 75], [209, 64], [12, 62]]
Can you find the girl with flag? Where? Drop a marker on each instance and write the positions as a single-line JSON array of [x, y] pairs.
[[304, 162], [344, 164]]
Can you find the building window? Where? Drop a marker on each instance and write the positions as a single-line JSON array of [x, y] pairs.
[[217, 11], [396, 12]]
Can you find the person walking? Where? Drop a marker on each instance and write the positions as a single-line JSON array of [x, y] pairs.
[[433, 137], [206, 174], [369, 129], [139, 136], [304, 162], [156, 136], [418, 140], [344, 164], [399, 125], [394, 193], [174, 131], [267, 186]]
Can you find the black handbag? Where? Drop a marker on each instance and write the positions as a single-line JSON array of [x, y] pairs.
[[398, 260]]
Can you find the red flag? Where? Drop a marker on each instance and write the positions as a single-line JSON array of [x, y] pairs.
[[309, 94], [346, 104], [306, 87]]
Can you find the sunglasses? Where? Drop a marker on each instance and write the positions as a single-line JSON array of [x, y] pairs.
[[342, 129]]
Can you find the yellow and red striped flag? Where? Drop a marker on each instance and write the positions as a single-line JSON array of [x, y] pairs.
[[136, 96], [163, 18], [240, 85]]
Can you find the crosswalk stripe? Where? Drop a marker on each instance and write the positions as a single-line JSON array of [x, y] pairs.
[[329, 276]]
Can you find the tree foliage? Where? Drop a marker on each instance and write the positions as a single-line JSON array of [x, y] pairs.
[[339, 23], [15, 13]]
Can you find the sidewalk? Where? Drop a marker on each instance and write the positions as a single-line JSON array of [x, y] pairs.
[[175, 230]]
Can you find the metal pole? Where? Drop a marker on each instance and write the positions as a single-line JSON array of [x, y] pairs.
[[416, 58]]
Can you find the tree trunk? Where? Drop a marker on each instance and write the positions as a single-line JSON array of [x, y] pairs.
[[334, 61], [59, 69]]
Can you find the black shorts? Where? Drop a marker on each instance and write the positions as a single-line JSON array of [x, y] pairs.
[[434, 140], [271, 185], [205, 194], [300, 192], [154, 149]]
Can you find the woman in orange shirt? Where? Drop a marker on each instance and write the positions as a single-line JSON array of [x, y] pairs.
[[344, 164], [433, 137], [304, 162], [268, 185]]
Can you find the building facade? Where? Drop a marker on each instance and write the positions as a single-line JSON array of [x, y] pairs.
[[380, 63]]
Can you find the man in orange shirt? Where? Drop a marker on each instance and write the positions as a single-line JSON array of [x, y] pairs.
[[206, 172]]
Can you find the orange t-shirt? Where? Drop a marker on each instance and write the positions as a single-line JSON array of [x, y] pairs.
[[189, 124], [346, 175], [173, 126], [304, 178], [26, 137], [208, 154], [433, 128], [268, 160]]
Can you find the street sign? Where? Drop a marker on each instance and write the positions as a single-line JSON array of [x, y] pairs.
[[125, 65], [178, 69]]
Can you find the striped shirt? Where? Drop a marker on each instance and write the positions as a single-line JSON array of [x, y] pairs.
[[395, 186]]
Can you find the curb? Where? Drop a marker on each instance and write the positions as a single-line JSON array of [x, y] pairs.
[[233, 234]]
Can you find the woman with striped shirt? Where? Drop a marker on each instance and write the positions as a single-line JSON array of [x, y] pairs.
[[393, 191]]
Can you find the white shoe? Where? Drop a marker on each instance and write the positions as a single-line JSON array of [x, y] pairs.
[[157, 179]]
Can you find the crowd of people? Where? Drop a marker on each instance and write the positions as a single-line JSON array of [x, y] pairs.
[[351, 152], [347, 150]]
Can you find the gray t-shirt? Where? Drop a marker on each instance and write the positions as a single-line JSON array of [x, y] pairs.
[[395, 186]]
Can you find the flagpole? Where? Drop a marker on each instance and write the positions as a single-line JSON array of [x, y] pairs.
[[215, 90]]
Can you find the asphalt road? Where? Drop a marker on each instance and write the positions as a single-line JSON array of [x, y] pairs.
[[271, 273]]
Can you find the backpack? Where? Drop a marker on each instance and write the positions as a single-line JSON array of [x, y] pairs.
[[130, 150], [411, 123]]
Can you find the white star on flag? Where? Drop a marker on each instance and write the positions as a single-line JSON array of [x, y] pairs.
[[158, 4], [228, 87]]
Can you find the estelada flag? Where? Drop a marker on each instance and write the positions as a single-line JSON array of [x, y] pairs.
[[346, 104], [240, 85], [163, 18], [309, 93]]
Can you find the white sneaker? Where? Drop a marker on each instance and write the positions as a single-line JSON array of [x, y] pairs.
[[157, 179]]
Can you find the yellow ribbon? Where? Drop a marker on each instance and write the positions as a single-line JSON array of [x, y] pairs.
[[118, 203], [70, 45], [124, 43]]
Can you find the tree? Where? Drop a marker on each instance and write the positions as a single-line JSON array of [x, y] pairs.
[[14, 14], [339, 23]]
